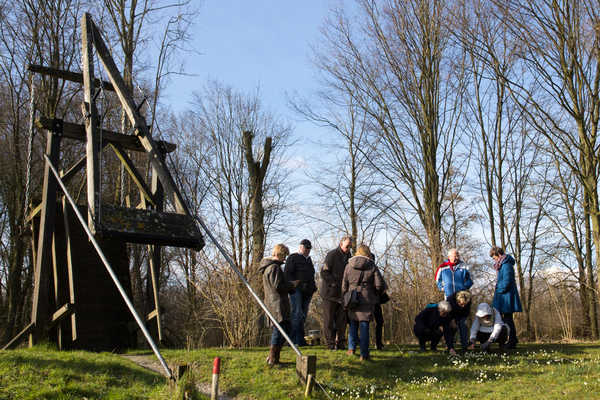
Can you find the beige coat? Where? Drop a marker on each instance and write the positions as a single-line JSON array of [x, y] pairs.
[[372, 284]]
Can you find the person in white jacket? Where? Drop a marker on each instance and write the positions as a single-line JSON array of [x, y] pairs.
[[488, 328]]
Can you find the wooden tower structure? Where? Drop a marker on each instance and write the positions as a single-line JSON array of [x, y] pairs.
[[75, 298]]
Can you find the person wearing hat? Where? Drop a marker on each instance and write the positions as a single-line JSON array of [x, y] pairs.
[[299, 266], [488, 328]]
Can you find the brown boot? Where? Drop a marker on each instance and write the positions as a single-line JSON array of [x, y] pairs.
[[271, 358], [351, 352], [277, 355]]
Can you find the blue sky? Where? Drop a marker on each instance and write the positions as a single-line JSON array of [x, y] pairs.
[[245, 43]]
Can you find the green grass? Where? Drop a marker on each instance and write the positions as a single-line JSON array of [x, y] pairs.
[[42, 372], [541, 371]]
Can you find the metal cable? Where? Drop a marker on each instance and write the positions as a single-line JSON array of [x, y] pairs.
[[322, 388], [30, 148]]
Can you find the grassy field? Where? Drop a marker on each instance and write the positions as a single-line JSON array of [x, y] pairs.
[[542, 371]]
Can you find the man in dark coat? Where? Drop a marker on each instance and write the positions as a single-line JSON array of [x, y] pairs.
[[334, 316], [427, 326], [276, 298], [299, 266]]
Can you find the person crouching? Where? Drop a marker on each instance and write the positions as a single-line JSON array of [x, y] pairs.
[[488, 328], [427, 326], [276, 298]]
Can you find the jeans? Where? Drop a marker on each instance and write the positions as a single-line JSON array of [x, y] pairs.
[[464, 332], [300, 302], [353, 338], [277, 339]]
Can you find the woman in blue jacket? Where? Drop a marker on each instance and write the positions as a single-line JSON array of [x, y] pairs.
[[506, 296]]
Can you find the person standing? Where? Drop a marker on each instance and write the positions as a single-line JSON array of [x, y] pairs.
[[276, 298], [506, 296], [453, 274], [361, 274], [299, 266], [334, 315]]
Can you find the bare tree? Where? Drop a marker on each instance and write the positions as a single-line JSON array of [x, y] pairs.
[[214, 163], [397, 63], [31, 32], [350, 193], [558, 91]]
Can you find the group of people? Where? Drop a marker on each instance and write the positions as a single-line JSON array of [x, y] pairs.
[[492, 324], [289, 290]]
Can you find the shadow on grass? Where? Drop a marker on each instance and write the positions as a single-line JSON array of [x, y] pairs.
[[53, 375]]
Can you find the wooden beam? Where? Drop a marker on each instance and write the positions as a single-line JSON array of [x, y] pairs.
[[77, 132], [133, 172], [91, 123], [46, 231], [20, 338], [61, 314], [154, 154], [69, 240], [67, 75]]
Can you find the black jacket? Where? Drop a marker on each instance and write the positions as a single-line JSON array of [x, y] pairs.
[[430, 319], [333, 272], [298, 267]]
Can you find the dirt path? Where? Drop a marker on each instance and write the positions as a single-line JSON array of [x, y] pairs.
[[150, 363]]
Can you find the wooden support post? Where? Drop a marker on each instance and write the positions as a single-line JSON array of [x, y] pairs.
[[310, 384], [91, 122], [178, 372], [70, 267], [57, 303], [305, 366], [154, 256], [44, 252]]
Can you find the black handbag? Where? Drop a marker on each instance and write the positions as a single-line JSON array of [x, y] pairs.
[[350, 299], [384, 298]]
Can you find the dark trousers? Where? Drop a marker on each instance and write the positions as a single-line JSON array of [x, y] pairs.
[[426, 335], [378, 325], [508, 319], [335, 320], [277, 339], [483, 337]]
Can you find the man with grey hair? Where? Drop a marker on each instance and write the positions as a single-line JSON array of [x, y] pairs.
[[453, 274], [427, 326], [335, 318]]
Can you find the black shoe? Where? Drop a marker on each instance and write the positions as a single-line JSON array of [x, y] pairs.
[[510, 346], [423, 349], [380, 346]]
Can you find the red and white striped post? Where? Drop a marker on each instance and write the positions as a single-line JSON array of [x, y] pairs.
[[215, 382]]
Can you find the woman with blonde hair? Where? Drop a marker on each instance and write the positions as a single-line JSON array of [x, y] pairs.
[[361, 274], [276, 298]]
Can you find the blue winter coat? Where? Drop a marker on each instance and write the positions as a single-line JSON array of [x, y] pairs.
[[506, 296], [453, 279]]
